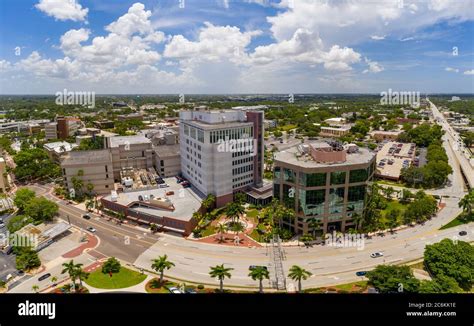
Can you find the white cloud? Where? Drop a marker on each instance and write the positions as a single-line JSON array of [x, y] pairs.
[[374, 67], [451, 69], [63, 9], [377, 38], [469, 72]]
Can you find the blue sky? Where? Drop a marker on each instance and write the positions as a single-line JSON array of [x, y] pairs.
[[244, 46]]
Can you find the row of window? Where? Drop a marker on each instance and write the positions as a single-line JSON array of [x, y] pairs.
[[320, 179], [242, 161], [229, 134], [242, 169]]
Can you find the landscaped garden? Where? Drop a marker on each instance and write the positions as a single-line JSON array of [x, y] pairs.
[[114, 276]]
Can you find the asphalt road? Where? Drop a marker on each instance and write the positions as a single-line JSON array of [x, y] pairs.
[[7, 262]]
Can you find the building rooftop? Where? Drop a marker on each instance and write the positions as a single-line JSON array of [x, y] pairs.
[[59, 146], [184, 200], [87, 157], [299, 156], [223, 125], [130, 140], [167, 150]]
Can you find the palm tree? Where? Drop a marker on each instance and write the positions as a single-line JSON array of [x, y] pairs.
[[209, 201], [220, 272], [71, 269], [358, 219], [221, 229], [35, 288], [259, 273], [467, 202], [314, 224], [297, 274], [89, 205], [81, 275], [161, 264], [234, 210]]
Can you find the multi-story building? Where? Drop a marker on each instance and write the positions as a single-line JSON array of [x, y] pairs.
[[67, 126], [167, 154], [51, 131], [130, 152], [324, 183], [335, 131], [94, 167], [57, 149], [222, 151]]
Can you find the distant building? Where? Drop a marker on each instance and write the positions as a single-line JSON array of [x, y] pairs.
[[67, 126], [269, 123], [335, 122], [380, 135], [131, 116], [392, 157], [51, 131], [167, 152], [104, 124], [325, 182], [334, 131]]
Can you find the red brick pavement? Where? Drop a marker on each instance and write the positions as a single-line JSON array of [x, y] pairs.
[[92, 242]]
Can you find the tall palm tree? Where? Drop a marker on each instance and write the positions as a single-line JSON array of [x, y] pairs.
[[259, 273], [71, 268], [220, 272], [297, 274], [161, 264], [81, 275], [234, 210], [209, 201]]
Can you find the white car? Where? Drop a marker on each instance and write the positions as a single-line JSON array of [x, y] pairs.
[[175, 290], [2, 225], [376, 254], [91, 229]]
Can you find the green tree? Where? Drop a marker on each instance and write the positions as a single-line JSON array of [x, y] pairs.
[[259, 273], [390, 278], [160, 265], [467, 202], [26, 258], [221, 229], [452, 259], [441, 284], [41, 209], [22, 197], [234, 210], [220, 272], [35, 164], [298, 273], [209, 201], [111, 266]]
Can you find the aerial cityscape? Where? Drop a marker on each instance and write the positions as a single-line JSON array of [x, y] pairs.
[[315, 147]]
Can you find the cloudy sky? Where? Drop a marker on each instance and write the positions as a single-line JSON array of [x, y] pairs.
[[236, 46]]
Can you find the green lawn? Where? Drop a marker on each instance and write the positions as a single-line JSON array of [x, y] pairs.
[[287, 127], [391, 205], [123, 279], [459, 220]]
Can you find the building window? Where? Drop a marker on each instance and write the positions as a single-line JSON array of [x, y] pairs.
[[355, 198], [360, 175], [313, 179], [289, 175], [311, 202], [338, 177], [336, 200]]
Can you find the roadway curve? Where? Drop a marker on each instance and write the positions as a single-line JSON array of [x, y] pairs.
[[329, 265]]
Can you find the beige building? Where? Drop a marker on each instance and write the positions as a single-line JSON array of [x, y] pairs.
[[334, 131], [323, 182], [130, 152], [4, 184], [380, 135], [51, 131], [95, 166]]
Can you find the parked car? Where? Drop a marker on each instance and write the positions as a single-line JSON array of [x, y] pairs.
[[43, 277], [91, 229], [463, 233], [86, 216], [164, 185], [174, 290], [376, 254]]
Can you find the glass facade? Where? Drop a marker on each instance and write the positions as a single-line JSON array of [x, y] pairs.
[[312, 179], [311, 202], [336, 200], [289, 175], [360, 175], [288, 196], [338, 177], [355, 198]]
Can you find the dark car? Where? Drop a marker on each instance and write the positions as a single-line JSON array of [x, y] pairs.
[[252, 267], [463, 233], [190, 291], [43, 277], [86, 216], [361, 273]]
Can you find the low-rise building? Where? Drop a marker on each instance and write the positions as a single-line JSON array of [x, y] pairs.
[[57, 149], [381, 135], [94, 167], [334, 131]]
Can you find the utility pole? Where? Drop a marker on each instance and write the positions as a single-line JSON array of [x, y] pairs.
[[69, 221]]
